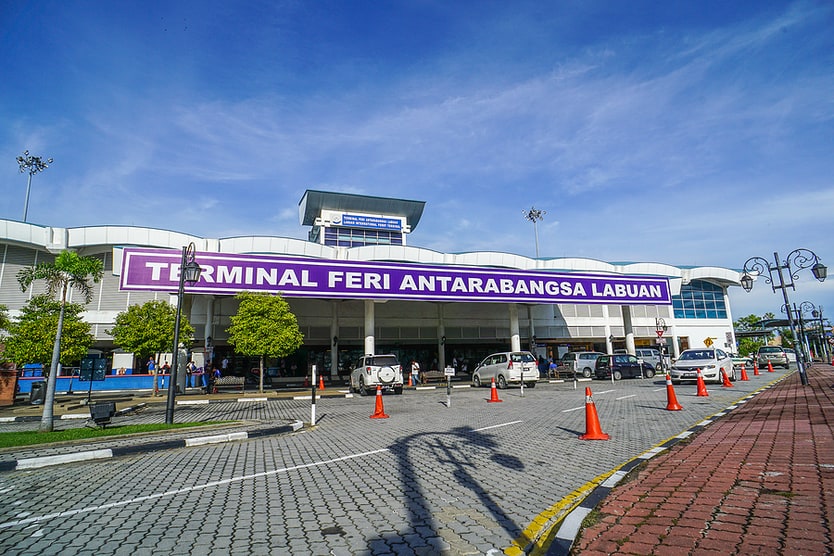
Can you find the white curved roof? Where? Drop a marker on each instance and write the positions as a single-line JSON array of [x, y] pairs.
[[97, 238]]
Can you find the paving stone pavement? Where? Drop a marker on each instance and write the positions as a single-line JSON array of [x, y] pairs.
[[758, 481], [470, 478]]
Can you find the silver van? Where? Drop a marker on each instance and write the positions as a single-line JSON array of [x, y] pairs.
[[509, 367], [576, 363]]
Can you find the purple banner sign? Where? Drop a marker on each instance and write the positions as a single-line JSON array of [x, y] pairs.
[[159, 270]]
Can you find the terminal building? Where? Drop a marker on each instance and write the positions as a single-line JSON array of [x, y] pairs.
[[357, 285]]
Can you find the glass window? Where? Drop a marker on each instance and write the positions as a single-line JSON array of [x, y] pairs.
[[700, 300]]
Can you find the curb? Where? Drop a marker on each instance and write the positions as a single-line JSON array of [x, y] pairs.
[[87, 455]]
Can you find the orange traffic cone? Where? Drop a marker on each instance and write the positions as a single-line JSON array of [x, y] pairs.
[[744, 373], [410, 382], [321, 382], [755, 369], [379, 412], [702, 388], [769, 367], [592, 428], [306, 381], [494, 395], [725, 379], [671, 400]]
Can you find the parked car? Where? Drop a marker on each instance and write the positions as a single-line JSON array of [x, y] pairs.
[[650, 356], [622, 365], [776, 355], [576, 363], [710, 361], [377, 370], [507, 368], [739, 360]]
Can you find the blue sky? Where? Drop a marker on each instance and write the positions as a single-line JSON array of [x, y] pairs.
[[689, 133]]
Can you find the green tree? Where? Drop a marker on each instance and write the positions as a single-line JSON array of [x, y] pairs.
[[148, 329], [264, 326], [5, 323], [69, 271], [31, 336]]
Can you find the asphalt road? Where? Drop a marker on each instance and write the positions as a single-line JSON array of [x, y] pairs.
[[468, 478]]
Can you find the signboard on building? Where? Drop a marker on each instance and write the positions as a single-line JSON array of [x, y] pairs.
[[227, 274], [369, 222]]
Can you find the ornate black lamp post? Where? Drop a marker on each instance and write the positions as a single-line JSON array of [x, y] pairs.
[[31, 165], [660, 327], [800, 258], [816, 313], [189, 272], [534, 215]]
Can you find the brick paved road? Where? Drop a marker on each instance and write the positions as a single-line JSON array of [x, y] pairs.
[[473, 478]]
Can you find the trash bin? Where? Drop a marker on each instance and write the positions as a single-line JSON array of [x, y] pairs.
[[38, 394]]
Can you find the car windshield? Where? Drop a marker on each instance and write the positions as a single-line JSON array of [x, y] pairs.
[[770, 350], [524, 357], [697, 354]]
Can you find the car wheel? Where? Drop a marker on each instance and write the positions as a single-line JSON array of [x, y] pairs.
[[648, 373], [502, 382], [476, 381], [363, 390], [398, 390], [586, 372], [531, 385], [618, 375]]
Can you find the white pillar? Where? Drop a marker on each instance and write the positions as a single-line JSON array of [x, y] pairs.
[[369, 327], [629, 330], [609, 343], [515, 338], [334, 343]]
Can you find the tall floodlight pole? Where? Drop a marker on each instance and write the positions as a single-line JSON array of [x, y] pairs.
[[189, 272], [534, 215], [31, 165], [800, 258]]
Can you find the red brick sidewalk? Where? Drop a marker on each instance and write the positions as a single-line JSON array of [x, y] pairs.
[[757, 481]]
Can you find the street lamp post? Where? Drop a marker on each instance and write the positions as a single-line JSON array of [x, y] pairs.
[[801, 258], [534, 215], [816, 313], [31, 165], [189, 272]]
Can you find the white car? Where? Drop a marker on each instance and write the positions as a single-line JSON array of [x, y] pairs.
[[507, 368], [377, 370], [709, 360]]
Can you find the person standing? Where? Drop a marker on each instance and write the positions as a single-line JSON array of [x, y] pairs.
[[152, 371], [415, 372], [190, 369]]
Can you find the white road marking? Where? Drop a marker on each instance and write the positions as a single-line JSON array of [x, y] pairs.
[[169, 493], [626, 397], [498, 426]]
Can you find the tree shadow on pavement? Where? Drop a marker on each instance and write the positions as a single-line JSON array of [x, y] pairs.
[[470, 460]]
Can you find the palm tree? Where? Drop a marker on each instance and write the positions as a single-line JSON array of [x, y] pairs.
[[68, 271]]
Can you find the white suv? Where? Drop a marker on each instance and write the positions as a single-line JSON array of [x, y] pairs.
[[507, 368], [377, 370]]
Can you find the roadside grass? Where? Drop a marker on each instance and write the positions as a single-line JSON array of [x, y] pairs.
[[33, 438]]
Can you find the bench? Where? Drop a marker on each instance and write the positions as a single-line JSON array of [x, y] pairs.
[[232, 382], [427, 376]]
